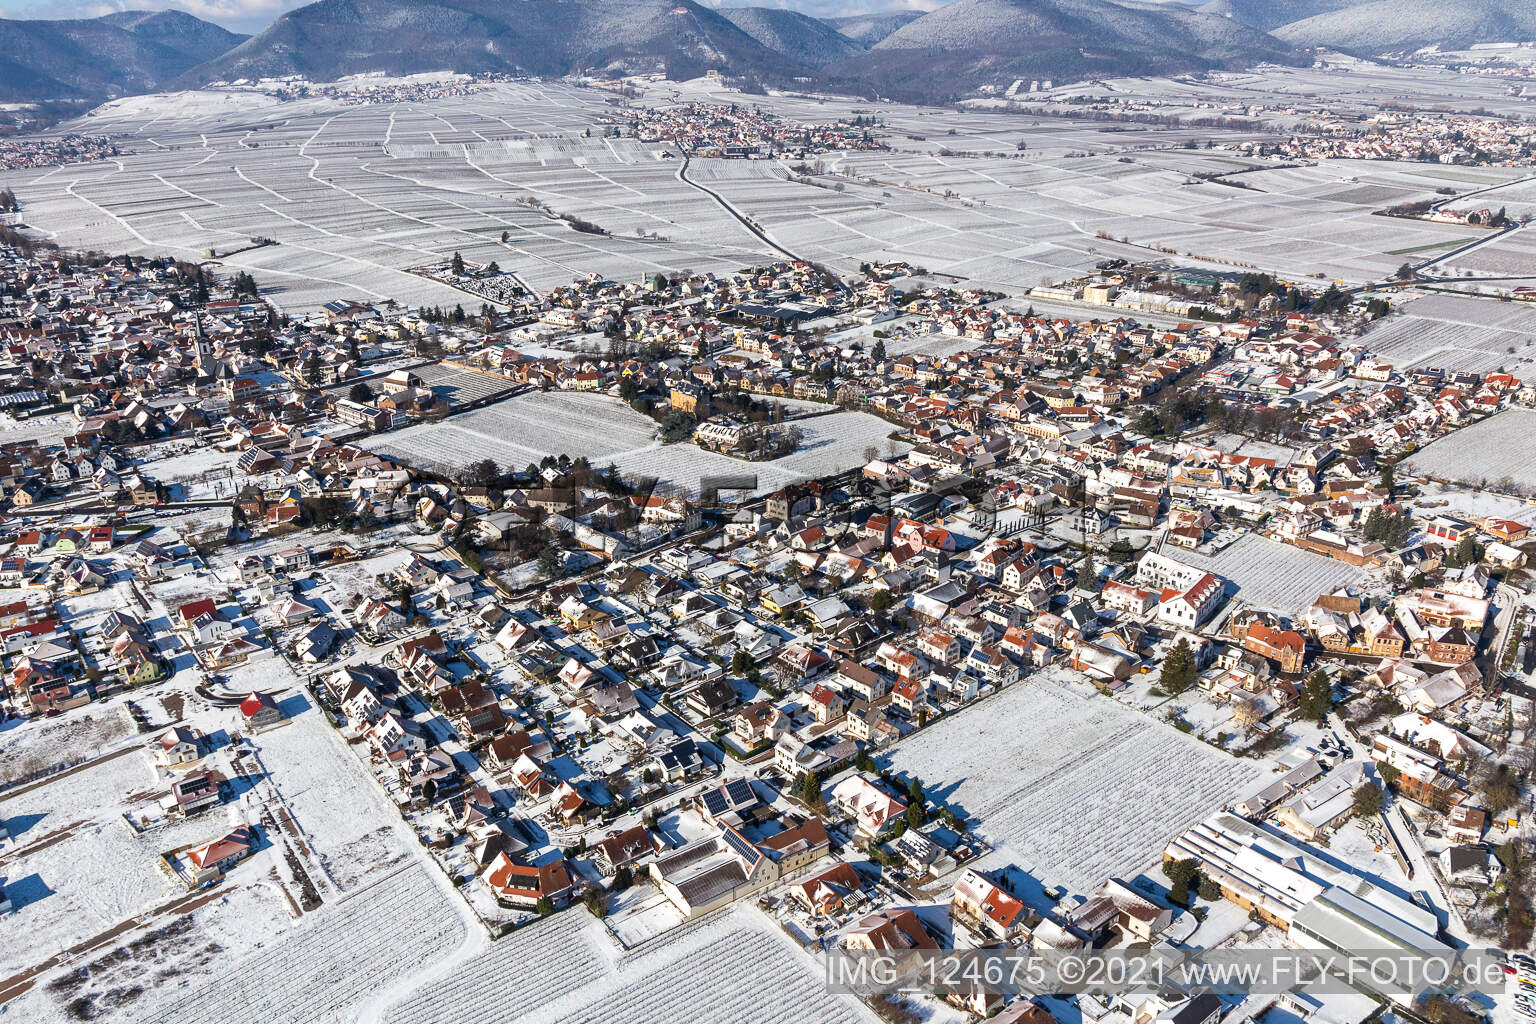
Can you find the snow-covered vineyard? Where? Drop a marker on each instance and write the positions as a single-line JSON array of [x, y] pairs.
[[1275, 576], [573, 972], [1074, 788], [1499, 452], [326, 970], [1459, 333], [523, 972], [357, 195], [524, 429]]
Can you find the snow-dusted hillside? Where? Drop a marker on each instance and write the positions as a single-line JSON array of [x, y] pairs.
[[95, 58], [974, 43], [332, 38], [1386, 25], [797, 36], [1268, 15], [1007, 27], [869, 29]]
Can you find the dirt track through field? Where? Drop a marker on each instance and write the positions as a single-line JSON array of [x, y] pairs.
[[52, 838]]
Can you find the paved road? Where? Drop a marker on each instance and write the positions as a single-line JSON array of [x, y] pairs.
[[746, 222], [1476, 243]]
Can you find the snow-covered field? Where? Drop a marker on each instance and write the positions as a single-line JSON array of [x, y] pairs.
[[1499, 450], [338, 810], [831, 444], [357, 195], [1459, 332], [1075, 789], [524, 429], [98, 872], [528, 969], [51, 429], [735, 966], [1272, 575], [201, 473], [1470, 502], [86, 732], [325, 971], [528, 427]]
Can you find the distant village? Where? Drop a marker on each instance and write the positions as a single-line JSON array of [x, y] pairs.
[[712, 129]]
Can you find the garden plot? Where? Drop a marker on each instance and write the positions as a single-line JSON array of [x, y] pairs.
[[325, 971], [525, 429], [554, 974], [1500, 450], [1274, 576], [1076, 789]]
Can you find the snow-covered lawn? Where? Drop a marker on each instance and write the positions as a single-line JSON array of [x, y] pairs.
[[1076, 788], [198, 473], [1272, 575]]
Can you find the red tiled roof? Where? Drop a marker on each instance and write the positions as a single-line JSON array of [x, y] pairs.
[[253, 704]]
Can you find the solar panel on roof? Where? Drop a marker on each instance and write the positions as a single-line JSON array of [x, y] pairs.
[[739, 845]]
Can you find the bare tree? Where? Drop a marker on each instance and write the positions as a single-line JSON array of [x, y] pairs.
[[1248, 713]]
